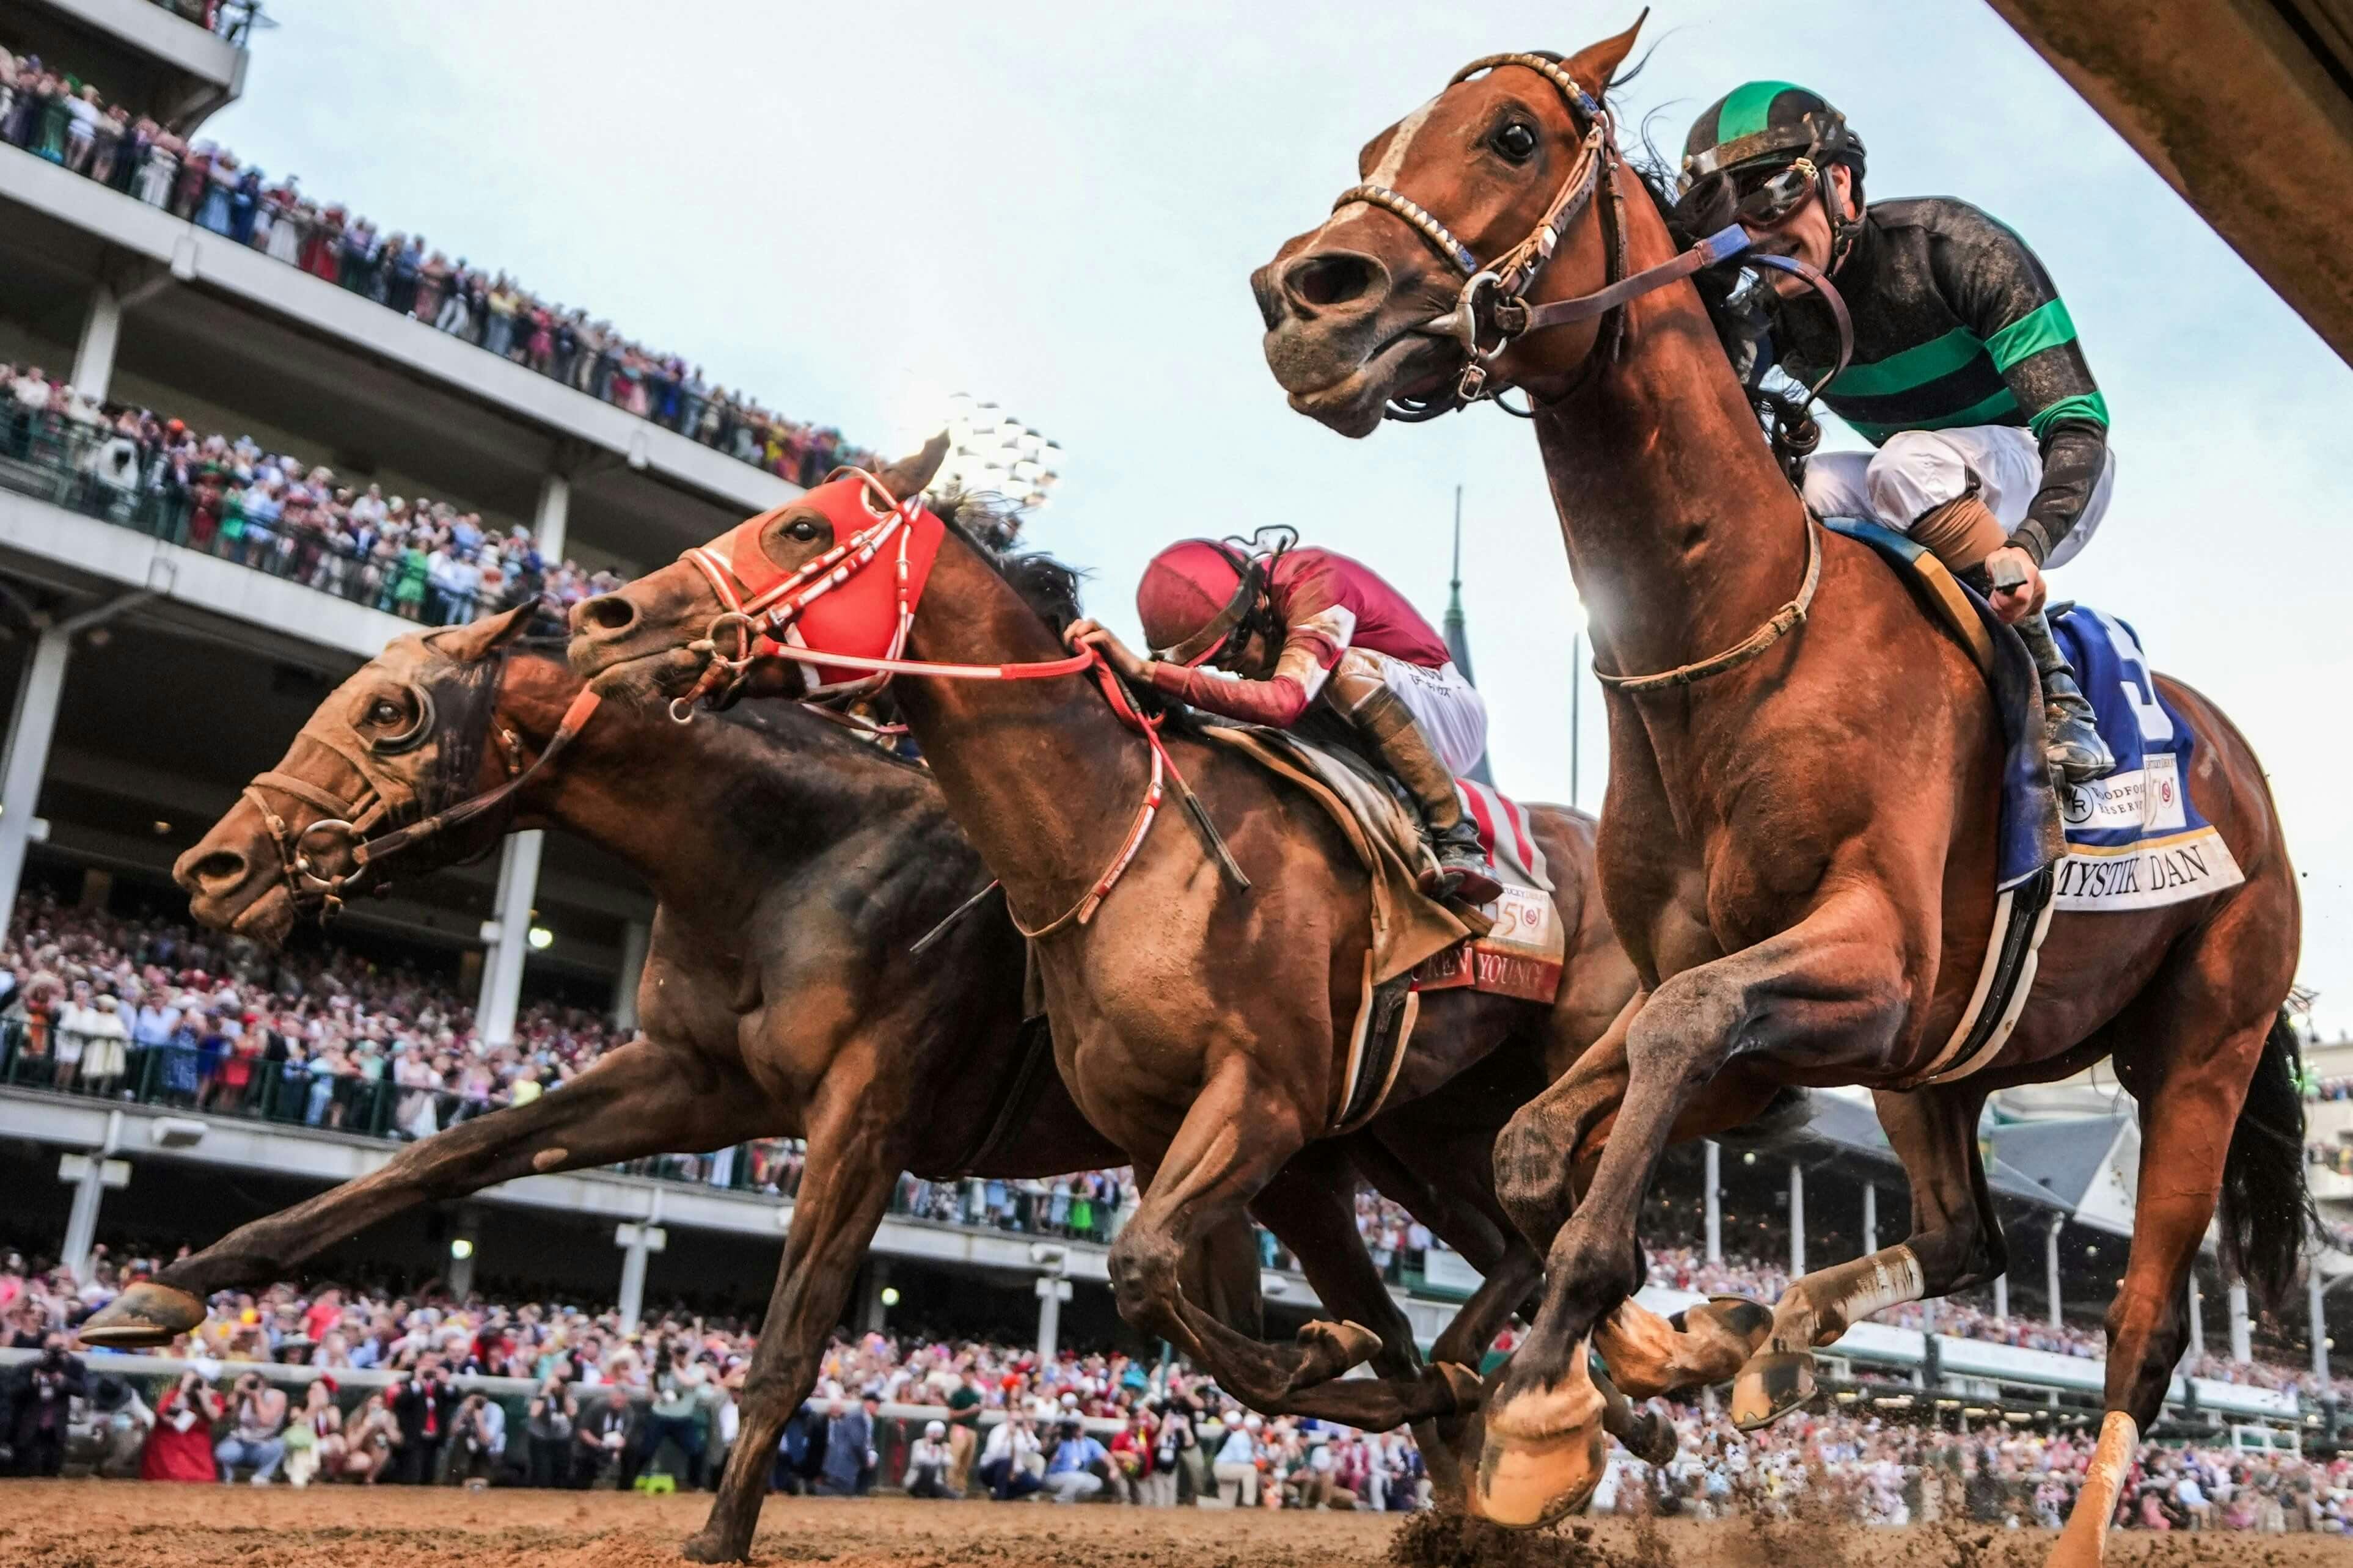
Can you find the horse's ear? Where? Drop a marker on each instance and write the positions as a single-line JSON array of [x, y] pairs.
[[478, 639], [1593, 66], [910, 476]]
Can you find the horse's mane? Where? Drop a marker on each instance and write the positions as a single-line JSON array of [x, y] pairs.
[[990, 523]]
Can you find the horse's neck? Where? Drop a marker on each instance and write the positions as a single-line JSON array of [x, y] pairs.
[[1682, 535], [1043, 779], [710, 815]]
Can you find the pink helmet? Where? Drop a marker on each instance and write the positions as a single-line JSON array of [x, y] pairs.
[[1193, 596]]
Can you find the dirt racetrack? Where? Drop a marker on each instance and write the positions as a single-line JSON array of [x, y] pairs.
[[115, 1524]]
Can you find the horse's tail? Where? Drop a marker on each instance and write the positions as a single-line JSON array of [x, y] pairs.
[[2265, 1205]]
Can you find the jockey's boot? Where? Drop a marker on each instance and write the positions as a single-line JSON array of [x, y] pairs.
[[1384, 719], [2070, 739]]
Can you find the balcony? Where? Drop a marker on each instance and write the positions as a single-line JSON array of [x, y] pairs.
[[175, 61]]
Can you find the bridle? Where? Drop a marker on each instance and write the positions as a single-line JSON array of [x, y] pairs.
[[1491, 312], [768, 609], [385, 796]]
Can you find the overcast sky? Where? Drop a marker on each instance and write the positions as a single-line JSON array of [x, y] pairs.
[[854, 211]]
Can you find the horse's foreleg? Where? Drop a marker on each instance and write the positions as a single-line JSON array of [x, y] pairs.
[[1310, 1206], [1956, 1242], [1831, 986], [640, 1098], [854, 1161], [1239, 1132]]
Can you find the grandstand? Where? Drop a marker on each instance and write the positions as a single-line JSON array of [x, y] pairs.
[[157, 668]]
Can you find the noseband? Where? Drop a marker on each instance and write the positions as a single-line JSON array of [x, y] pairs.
[[347, 822], [1492, 312], [768, 609]]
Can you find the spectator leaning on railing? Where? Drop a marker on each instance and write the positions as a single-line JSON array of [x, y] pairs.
[[425, 560], [58, 117]]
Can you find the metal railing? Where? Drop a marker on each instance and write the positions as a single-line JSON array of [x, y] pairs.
[[289, 1095], [100, 473]]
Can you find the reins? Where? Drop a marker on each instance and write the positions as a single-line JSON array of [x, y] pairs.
[[768, 614], [302, 874], [1493, 304]]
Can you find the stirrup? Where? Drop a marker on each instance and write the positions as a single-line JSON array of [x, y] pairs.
[[1463, 880], [2072, 743]]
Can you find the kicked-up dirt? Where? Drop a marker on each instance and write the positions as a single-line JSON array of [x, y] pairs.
[[130, 1524]]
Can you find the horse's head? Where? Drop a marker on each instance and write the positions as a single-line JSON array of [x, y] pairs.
[[1393, 295], [667, 636], [408, 735]]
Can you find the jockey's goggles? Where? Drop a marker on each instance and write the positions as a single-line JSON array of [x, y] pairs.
[[1756, 199]]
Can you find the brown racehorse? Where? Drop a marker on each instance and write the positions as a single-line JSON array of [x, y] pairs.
[[1797, 851], [1203, 1029], [771, 1006]]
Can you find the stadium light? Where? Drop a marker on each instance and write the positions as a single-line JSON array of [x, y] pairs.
[[460, 1248], [890, 1295], [541, 938]]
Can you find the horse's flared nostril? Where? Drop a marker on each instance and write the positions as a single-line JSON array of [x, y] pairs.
[[216, 874], [605, 615], [1328, 279]]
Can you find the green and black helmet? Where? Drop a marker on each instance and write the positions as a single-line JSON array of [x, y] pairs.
[[1759, 151]]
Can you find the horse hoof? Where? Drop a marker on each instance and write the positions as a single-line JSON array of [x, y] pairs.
[[1468, 1389], [1773, 1383], [1526, 1483], [146, 1315], [705, 1547], [1540, 1458], [1334, 1348], [1656, 1440]]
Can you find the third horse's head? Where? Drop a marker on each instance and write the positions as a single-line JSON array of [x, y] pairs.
[[1370, 305]]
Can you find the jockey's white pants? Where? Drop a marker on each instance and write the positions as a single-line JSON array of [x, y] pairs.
[[1447, 709], [1920, 471]]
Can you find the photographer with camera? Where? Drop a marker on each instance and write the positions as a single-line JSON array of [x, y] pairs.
[[482, 1427], [180, 1448], [426, 1407], [35, 1405], [256, 1439], [682, 1387]]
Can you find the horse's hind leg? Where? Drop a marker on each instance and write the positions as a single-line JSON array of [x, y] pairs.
[[1956, 1242], [2212, 1065], [640, 1098], [1236, 1137]]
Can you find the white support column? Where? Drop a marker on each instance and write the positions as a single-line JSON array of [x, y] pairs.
[[101, 329], [91, 1174], [1053, 1290], [2197, 1318], [549, 525], [878, 1279], [2051, 1267], [636, 936], [1870, 1219], [637, 1243], [1797, 1219], [508, 934], [30, 731], [2242, 1348], [2001, 1294], [2316, 1295], [1712, 1174], [465, 1234]]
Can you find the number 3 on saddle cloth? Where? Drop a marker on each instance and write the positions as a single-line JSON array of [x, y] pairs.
[[2132, 840]]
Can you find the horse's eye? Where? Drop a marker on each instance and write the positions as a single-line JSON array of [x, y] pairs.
[[1514, 141], [803, 530], [383, 711]]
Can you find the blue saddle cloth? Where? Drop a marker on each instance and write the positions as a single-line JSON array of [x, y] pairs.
[[2135, 839], [2028, 838], [2132, 840]]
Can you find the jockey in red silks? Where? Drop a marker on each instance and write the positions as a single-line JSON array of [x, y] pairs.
[[1293, 626]]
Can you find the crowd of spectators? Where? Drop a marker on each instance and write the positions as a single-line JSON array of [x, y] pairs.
[[231, 19], [423, 560], [54, 116], [608, 1404]]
